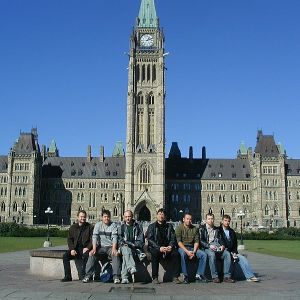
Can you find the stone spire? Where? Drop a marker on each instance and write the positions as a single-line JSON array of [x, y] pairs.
[[147, 16]]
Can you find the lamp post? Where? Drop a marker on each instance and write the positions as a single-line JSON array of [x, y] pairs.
[[180, 215], [241, 215], [48, 243]]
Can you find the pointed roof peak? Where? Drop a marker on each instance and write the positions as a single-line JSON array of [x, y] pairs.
[[147, 16]]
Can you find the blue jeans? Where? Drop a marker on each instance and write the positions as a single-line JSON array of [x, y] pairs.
[[212, 259], [201, 255], [246, 268]]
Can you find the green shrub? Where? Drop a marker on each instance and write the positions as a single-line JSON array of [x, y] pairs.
[[17, 230]]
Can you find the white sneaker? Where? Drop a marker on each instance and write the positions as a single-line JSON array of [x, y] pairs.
[[125, 281], [253, 279], [117, 281]]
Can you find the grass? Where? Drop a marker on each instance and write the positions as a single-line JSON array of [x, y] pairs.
[[11, 244], [281, 248]]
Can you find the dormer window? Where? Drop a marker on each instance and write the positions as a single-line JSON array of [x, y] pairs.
[[94, 173], [80, 172]]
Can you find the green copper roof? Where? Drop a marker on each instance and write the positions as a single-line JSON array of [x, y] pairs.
[[118, 150], [281, 149], [52, 147], [243, 149], [147, 15]]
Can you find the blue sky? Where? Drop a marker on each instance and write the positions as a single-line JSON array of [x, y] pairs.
[[233, 68]]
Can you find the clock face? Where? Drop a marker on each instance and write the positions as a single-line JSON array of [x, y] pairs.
[[147, 40]]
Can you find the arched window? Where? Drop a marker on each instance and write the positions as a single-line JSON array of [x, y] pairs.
[[210, 211], [212, 199], [140, 99], [78, 197], [90, 200], [20, 192], [246, 212], [148, 73], [2, 191], [153, 72], [115, 211], [143, 73], [2, 206], [222, 212], [267, 210], [224, 199], [15, 207], [80, 208], [82, 197], [145, 176], [137, 72], [94, 200], [220, 198], [16, 191], [151, 99], [234, 212], [276, 211], [24, 206]]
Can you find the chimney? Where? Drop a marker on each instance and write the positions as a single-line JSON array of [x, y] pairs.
[[191, 155], [89, 153], [101, 154], [203, 154]]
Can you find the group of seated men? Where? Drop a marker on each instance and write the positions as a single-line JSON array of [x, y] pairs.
[[124, 245]]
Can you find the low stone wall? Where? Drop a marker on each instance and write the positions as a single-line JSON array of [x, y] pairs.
[[48, 263]]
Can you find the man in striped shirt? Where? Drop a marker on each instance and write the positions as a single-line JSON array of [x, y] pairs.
[[105, 240]]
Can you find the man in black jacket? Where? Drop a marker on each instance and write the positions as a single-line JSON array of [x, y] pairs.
[[131, 242], [230, 239], [212, 241], [79, 243], [162, 245]]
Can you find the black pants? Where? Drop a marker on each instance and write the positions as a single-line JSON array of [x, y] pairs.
[[171, 258], [80, 256]]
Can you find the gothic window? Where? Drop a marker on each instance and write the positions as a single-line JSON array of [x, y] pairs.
[[140, 99], [210, 211], [276, 211], [115, 211], [153, 72], [94, 173], [2, 191], [94, 200], [137, 72], [24, 206], [82, 197], [20, 192], [246, 212], [2, 206], [148, 73], [267, 210], [212, 199], [151, 99], [90, 200], [80, 208], [24, 192], [220, 198], [208, 199], [143, 73], [151, 126], [16, 191], [144, 176], [15, 207], [78, 197], [224, 199], [222, 212], [140, 127], [234, 212]]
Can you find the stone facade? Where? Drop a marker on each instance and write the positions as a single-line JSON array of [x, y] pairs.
[[261, 183]]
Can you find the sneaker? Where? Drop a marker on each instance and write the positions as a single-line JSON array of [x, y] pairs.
[[66, 279], [117, 281], [253, 279], [176, 280], [228, 280], [155, 281], [125, 281], [132, 270], [86, 279], [201, 279], [185, 280], [216, 280]]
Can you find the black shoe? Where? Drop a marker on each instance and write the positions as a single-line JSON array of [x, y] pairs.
[[185, 280], [66, 279], [86, 279], [201, 279]]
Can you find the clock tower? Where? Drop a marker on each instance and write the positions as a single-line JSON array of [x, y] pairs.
[[145, 141]]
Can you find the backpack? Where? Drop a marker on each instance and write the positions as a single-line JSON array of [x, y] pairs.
[[106, 273]]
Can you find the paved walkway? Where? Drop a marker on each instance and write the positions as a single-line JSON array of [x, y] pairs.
[[280, 279]]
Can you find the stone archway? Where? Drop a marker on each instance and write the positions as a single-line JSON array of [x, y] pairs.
[[143, 212]]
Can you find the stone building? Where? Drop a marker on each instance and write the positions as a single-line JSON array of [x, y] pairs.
[[262, 183]]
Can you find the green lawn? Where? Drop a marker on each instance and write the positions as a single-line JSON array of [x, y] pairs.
[[11, 244], [288, 249]]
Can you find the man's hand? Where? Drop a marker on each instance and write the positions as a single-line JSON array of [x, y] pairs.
[[85, 250], [222, 248], [73, 252], [190, 254], [114, 252], [93, 251], [163, 249], [169, 249], [213, 247]]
